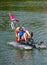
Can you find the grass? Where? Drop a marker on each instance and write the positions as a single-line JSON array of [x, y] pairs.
[[19, 0], [25, 8]]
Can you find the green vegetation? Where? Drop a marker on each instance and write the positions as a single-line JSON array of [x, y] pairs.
[[20, 0], [25, 8]]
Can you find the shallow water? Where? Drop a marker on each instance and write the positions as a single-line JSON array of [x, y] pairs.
[[35, 22]]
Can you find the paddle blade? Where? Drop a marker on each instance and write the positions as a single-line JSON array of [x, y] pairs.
[[13, 18]]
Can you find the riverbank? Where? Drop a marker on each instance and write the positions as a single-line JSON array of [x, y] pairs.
[[24, 6], [20, 0]]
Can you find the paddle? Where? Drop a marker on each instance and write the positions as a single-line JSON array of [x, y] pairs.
[[13, 19]]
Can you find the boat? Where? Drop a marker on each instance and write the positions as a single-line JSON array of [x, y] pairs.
[[18, 45], [27, 47], [40, 46], [31, 44]]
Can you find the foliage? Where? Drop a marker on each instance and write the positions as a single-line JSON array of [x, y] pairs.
[[19, 0]]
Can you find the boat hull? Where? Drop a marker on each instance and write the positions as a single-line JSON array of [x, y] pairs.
[[21, 46]]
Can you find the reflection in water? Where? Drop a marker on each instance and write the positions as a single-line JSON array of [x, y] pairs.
[[23, 54], [34, 57], [23, 57], [19, 55], [27, 55]]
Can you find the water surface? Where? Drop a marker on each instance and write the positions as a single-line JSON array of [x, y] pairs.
[[35, 22]]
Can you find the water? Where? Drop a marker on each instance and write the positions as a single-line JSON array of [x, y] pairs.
[[35, 21]]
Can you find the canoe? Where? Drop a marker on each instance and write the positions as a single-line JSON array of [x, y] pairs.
[[29, 46], [18, 45], [42, 46]]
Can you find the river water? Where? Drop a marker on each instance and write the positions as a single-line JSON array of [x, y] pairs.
[[35, 22]]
